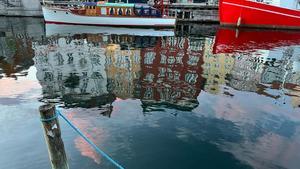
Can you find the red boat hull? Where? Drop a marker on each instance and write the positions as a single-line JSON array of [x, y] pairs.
[[248, 40], [246, 13]]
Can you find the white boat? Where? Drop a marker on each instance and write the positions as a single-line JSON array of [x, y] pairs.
[[108, 14], [54, 29]]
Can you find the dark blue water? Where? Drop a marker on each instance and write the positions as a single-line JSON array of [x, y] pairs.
[[166, 101]]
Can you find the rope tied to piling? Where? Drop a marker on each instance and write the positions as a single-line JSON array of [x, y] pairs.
[[50, 118], [96, 148]]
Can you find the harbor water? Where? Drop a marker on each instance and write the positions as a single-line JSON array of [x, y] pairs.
[[151, 99]]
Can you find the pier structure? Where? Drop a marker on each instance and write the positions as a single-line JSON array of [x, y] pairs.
[[194, 12]]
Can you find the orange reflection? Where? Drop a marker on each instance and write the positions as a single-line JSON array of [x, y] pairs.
[[94, 134], [13, 88]]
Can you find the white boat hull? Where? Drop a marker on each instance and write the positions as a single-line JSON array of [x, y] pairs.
[[64, 16]]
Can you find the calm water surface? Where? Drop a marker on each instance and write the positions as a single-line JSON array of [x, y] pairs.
[[151, 99]]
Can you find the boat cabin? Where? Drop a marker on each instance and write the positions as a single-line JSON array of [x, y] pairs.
[[116, 9]]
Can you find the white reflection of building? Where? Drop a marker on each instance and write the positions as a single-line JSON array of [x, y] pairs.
[[73, 67], [283, 69], [246, 73]]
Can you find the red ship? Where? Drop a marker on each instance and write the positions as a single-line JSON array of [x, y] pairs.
[[246, 13]]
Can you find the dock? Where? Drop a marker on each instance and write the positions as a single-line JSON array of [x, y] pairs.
[[194, 12]]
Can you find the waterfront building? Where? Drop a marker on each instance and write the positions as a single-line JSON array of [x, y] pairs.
[[20, 7]]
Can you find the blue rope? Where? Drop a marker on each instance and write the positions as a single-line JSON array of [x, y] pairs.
[[49, 119], [88, 140]]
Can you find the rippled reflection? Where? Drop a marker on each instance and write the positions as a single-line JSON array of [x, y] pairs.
[[227, 101], [168, 71]]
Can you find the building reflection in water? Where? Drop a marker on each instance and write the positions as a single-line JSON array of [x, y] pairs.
[[268, 122], [240, 87], [123, 70], [94, 70], [16, 38], [171, 73], [15, 55], [263, 61], [216, 68], [73, 70]]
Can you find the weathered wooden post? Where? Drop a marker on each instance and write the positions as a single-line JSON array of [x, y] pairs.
[[53, 139]]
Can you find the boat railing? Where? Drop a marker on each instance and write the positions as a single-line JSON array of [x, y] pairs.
[[62, 4]]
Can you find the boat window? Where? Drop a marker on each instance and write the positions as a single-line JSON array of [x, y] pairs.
[[153, 13], [141, 11], [120, 11], [137, 12], [128, 12], [103, 11], [111, 12], [146, 12]]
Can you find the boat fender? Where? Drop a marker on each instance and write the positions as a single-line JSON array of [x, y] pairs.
[[239, 21]]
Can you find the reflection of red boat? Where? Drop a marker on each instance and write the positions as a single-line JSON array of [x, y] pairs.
[[255, 14], [230, 40]]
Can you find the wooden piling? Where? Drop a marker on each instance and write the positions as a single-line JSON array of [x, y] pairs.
[[53, 139]]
